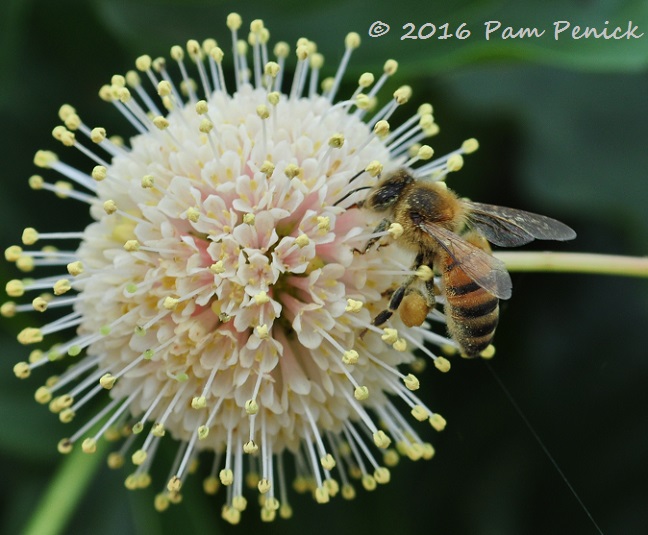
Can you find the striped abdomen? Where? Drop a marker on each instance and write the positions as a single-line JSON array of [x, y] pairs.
[[471, 312]]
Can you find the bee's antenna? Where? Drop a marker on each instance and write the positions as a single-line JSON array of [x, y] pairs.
[[356, 176], [351, 193]]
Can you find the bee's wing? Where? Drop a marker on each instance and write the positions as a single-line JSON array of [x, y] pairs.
[[509, 227], [483, 268]]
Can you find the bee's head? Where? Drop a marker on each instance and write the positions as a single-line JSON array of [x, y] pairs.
[[387, 192]]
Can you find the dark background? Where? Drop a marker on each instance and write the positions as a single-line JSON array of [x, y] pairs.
[[563, 131]]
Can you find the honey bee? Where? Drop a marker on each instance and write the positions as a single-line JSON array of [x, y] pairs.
[[451, 237]]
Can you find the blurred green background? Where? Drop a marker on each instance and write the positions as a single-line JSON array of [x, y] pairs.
[[563, 128]]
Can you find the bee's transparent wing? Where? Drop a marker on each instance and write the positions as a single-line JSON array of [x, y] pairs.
[[483, 268], [509, 227]]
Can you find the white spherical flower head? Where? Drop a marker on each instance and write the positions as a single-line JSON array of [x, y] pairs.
[[225, 294]]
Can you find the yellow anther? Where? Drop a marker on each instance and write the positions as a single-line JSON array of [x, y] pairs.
[[133, 79], [395, 230], [488, 353], [249, 219], [158, 430], [15, 288], [177, 53], [143, 63], [211, 485], [8, 309], [261, 298], [438, 422], [403, 94], [292, 170], [267, 168], [97, 135], [274, 97], [110, 206], [170, 303], [361, 393], [374, 168], [194, 49], [302, 52], [363, 102], [29, 236], [352, 40], [263, 486], [336, 141], [193, 214], [366, 79], [36, 182], [226, 476], [455, 162], [251, 407], [350, 357], [381, 128], [420, 413], [234, 21], [62, 286], [131, 246], [425, 109], [425, 152], [22, 370], [161, 122], [390, 335], [316, 61], [202, 107], [13, 253], [174, 484], [442, 364], [470, 145], [148, 181], [302, 240], [250, 447], [205, 126], [263, 331], [382, 475], [75, 268], [199, 402], [217, 268], [107, 381], [353, 305], [400, 344], [322, 495], [328, 462], [45, 159], [262, 111], [323, 223], [89, 445], [390, 67], [99, 173], [281, 49], [217, 54], [30, 335], [411, 382], [424, 273], [426, 121], [139, 457]]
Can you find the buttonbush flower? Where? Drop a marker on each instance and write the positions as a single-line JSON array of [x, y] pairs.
[[221, 296]]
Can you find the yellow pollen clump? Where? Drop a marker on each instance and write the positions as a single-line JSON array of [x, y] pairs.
[[353, 305], [455, 162], [390, 67], [62, 286], [411, 382], [470, 145], [99, 173], [390, 335], [22, 370], [381, 128], [424, 273], [374, 168], [442, 364], [226, 476], [395, 230], [361, 393], [251, 407], [336, 141], [75, 268], [420, 413], [350, 357], [488, 353], [29, 236], [438, 422], [30, 335]]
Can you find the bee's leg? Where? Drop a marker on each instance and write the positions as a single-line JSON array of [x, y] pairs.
[[380, 227]]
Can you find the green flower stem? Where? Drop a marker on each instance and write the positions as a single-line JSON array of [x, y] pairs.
[[65, 491], [600, 264]]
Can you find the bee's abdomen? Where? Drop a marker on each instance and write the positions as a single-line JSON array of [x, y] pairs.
[[471, 312]]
